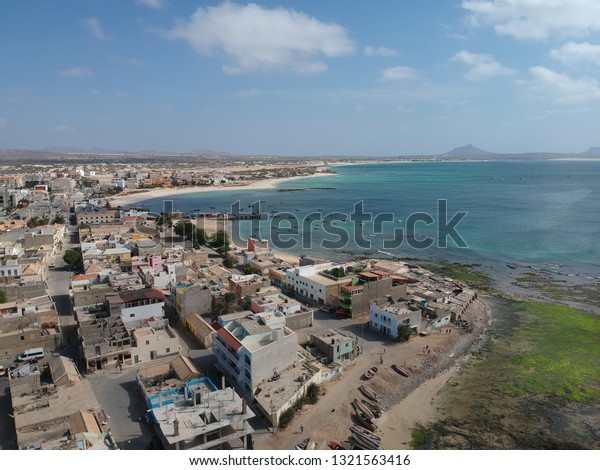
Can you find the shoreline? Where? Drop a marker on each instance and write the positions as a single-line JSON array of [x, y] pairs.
[[420, 403], [137, 196], [406, 402]]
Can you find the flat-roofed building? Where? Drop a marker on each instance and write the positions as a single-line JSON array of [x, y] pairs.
[[387, 314], [248, 351], [135, 306]]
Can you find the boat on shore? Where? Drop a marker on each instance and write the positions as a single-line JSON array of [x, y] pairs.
[[373, 408], [365, 421], [303, 445], [400, 370], [365, 438], [370, 373], [367, 392], [335, 446], [358, 406]]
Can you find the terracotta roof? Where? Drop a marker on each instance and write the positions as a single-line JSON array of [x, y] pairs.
[[84, 277], [141, 294], [352, 288], [369, 274], [380, 272], [227, 336]]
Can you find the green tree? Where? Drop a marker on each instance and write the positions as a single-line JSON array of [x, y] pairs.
[[189, 231], [58, 219], [3, 297], [404, 333], [37, 221], [72, 257], [164, 219], [228, 261], [225, 304], [220, 242], [312, 394]]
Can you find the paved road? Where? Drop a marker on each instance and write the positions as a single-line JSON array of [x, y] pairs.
[[57, 281], [122, 400]]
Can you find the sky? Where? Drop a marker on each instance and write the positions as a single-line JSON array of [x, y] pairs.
[[301, 78]]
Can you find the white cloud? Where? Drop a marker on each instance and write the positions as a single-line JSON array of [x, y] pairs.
[[3, 122], [75, 72], [399, 73], [359, 108], [258, 39], [481, 65], [573, 52], [536, 19], [121, 94], [94, 28], [380, 51], [562, 88], [156, 4]]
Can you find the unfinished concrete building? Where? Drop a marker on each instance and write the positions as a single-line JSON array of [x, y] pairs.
[[190, 412], [105, 342]]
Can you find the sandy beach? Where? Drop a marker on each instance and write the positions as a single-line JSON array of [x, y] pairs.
[[135, 196], [406, 402]]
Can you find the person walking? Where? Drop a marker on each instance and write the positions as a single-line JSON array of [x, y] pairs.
[[302, 428]]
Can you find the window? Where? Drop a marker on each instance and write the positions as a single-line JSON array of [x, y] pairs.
[[168, 350], [147, 342], [131, 315], [22, 338]]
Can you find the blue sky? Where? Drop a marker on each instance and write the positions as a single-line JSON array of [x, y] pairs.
[[341, 77]]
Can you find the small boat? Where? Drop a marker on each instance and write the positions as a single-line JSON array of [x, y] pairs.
[[335, 446], [359, 407], [369, 393], [303, 445], [373, 408], [400, 370], [368, 375], [366, 421], [365, 438]]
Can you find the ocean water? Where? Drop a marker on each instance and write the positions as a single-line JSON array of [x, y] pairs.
[[544, 214]]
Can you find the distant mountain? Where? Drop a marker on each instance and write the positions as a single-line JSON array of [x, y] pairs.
[[592, 151], [467, 151], [77, 150]]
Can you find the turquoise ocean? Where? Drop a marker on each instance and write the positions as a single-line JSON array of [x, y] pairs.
[[541, 215]]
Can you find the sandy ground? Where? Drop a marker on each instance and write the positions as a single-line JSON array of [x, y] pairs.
[[405, 401], [136, 196]]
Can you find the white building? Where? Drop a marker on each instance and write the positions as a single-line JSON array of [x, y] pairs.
[[248, 351], [154, 341], [386, 316], [310, 283], [135, 306]]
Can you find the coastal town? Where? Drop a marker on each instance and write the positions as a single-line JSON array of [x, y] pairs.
[[121, 328]]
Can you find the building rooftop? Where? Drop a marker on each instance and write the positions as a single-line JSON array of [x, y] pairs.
[[219, 410]]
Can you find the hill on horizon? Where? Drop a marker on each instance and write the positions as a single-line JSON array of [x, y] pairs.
[[592, 151], [467, 151]]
